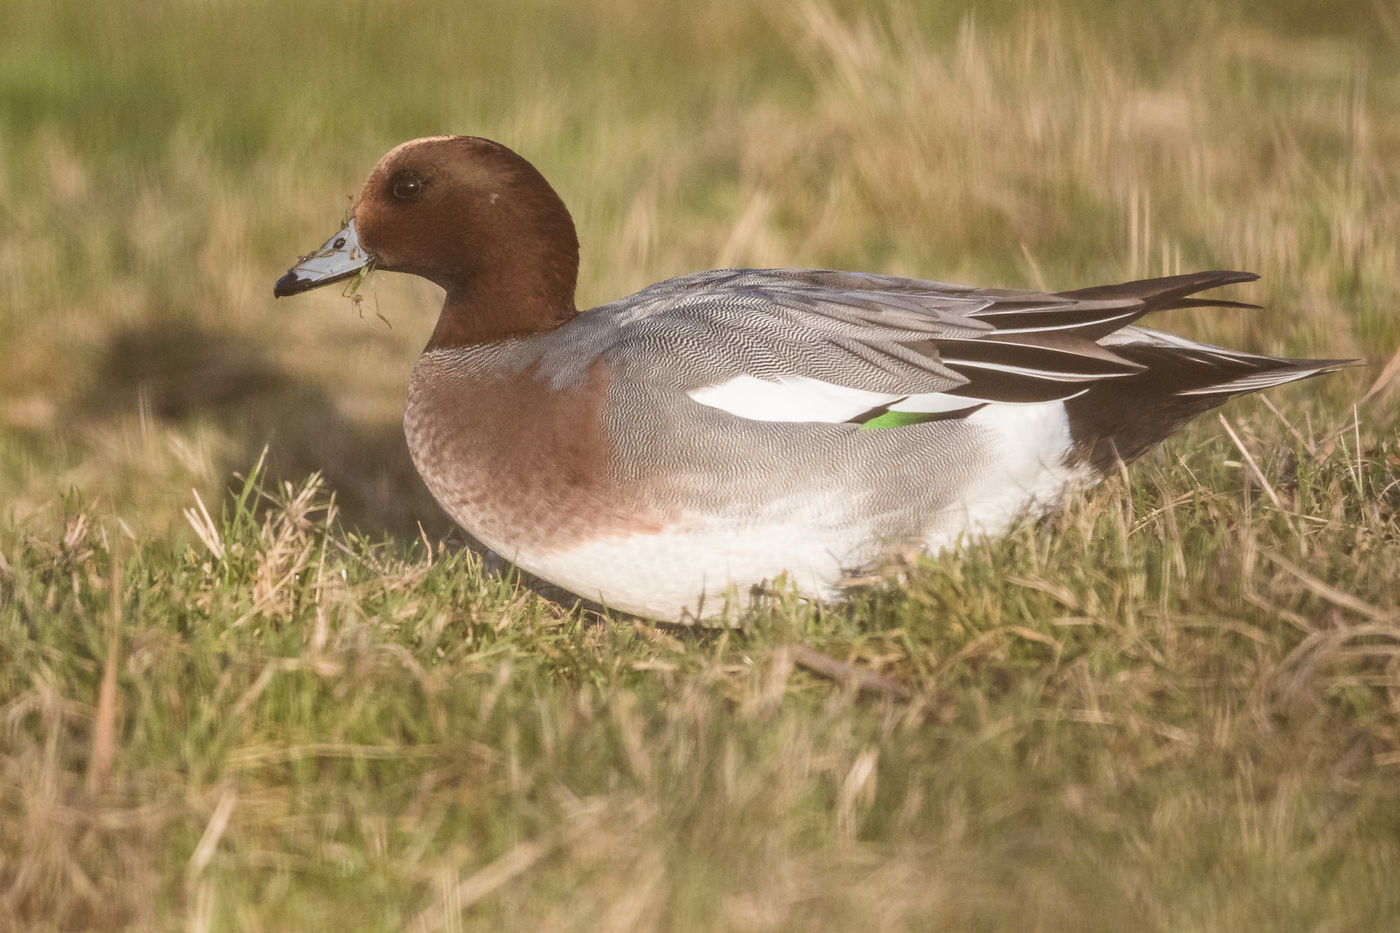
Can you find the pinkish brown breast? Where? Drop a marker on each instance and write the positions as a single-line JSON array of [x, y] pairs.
[[524, 467]]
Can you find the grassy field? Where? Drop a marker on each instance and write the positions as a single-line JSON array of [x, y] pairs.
[[248, 692]]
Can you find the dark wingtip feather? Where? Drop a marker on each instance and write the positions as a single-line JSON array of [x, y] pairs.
[[1099, 310], [1213, 303], [1159, 292]]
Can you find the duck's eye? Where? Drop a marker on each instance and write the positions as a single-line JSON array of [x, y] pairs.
[[407, 186]]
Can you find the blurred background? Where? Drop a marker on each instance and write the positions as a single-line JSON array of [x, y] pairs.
[[163, 162]]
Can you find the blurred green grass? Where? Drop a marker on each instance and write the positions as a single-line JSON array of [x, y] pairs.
[[161, 163], [1132, 714]]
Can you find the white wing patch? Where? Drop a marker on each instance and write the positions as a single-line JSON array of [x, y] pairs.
[[796, 398], [800, 398]]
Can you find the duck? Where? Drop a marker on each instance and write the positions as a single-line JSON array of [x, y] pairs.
[[679, 452]]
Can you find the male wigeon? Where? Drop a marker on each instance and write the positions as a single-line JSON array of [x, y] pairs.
[[715, 431]]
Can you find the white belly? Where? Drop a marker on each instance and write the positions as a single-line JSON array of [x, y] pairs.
[[702, 569]]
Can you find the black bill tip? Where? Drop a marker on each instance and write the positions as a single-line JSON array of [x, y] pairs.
[[289, 284], [293, 284]]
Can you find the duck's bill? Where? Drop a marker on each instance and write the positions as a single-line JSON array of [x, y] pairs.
[[340, 258]]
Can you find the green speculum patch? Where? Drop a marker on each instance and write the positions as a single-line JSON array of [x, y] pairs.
[[898, 419]]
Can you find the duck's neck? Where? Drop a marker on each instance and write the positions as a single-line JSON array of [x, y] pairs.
[[514, 287], [489, 312]]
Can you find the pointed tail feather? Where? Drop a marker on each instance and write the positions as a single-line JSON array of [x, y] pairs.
[[1123, 419], [1288, 371]]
